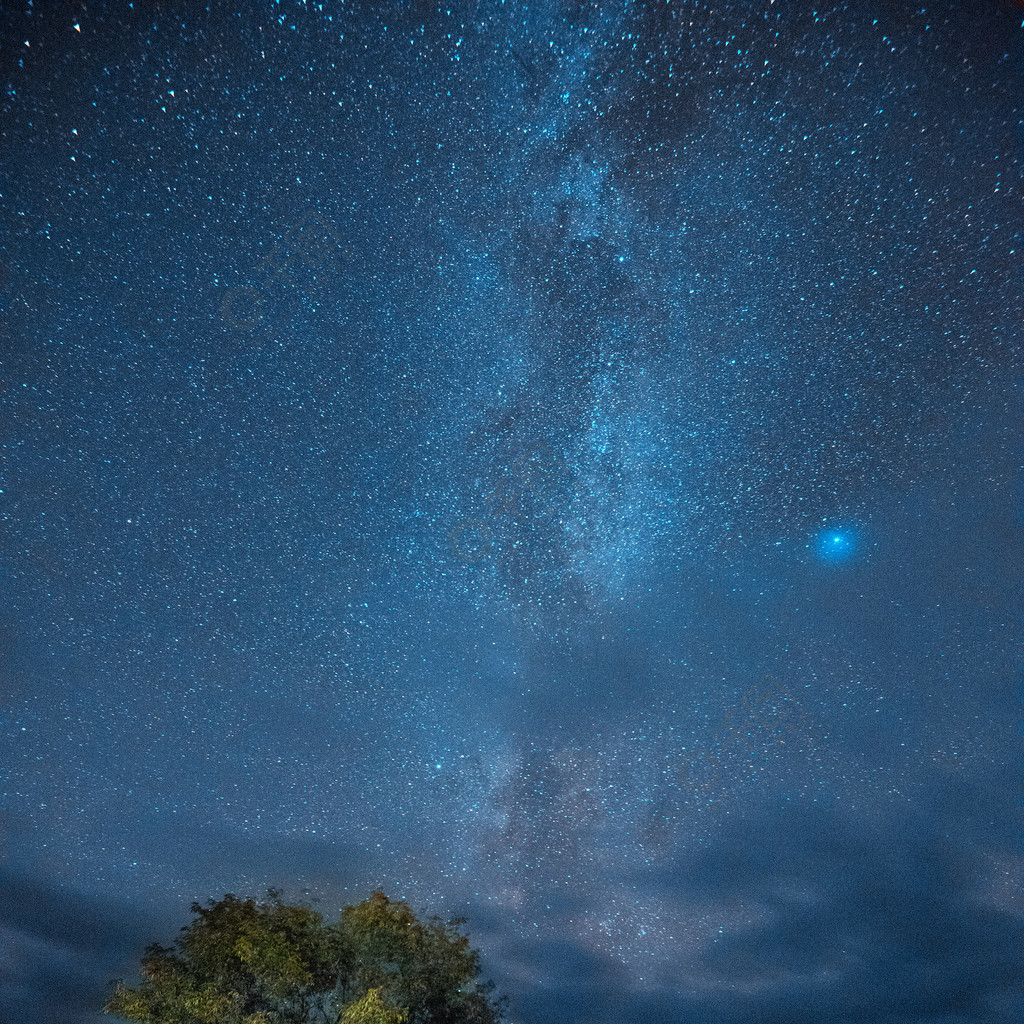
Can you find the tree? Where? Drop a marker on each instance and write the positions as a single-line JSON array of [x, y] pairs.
[[240, 962], [372, 1009], [427, 968]]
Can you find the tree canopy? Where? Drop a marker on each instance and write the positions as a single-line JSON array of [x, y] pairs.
[[242, 962]]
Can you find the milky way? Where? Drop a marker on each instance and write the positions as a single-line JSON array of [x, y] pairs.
[[557, 463]]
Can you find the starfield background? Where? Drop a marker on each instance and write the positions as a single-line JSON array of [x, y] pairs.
[[557, 463]]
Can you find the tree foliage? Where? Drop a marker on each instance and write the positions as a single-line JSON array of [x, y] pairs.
[[240, 962], [373, 1009]]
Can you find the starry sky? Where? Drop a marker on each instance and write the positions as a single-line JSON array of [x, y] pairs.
[[555, 462]]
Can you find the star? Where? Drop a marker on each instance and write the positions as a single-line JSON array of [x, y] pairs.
[[837, 544]]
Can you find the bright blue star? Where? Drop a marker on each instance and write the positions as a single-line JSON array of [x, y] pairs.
[[838, 544]]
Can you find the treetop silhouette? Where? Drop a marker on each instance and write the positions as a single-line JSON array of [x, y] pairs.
[[242, 962]]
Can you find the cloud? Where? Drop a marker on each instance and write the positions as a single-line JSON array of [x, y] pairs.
[[825, 916], [62, 948]]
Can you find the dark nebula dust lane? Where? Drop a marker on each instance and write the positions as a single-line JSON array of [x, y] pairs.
[[557, 463]]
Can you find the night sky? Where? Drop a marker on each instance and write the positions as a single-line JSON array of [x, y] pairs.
[[557, 463]]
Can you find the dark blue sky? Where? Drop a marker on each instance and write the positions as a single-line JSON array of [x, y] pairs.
[[557, 463]]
